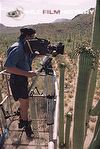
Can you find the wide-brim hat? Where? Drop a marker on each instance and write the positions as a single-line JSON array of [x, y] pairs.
[[27, 31]]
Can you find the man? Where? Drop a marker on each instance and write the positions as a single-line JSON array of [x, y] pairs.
[[18, 64]]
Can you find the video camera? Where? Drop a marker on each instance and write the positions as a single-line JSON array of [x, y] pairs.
[[43, 47]]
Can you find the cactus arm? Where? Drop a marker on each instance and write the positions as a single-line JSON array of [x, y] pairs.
[[67, 132]]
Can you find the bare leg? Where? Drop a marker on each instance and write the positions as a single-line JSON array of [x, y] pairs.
[[24, 105]]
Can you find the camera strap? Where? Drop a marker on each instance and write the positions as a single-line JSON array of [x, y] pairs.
[[29, 46]]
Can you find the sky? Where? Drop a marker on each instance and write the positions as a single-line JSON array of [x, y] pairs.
[[41, 11]]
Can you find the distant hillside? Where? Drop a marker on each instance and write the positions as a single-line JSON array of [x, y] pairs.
[[1, 26], [61, 20], [81, 19], [7, 30], [81, 22], [70, 32]]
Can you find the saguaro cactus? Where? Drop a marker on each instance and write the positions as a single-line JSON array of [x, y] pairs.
[[85, 68], [95, 44], [62, 67]]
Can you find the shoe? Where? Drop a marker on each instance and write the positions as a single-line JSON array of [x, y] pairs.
[[26, 125], [29, 132]]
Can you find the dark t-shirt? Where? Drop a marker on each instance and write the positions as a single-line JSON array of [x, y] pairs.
[[17, 57]]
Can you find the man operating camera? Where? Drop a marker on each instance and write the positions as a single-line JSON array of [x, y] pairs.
[[18, 64]]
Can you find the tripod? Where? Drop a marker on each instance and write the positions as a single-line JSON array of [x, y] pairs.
[[48, 73]]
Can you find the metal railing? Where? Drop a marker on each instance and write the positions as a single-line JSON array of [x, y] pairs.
[[49, 98]]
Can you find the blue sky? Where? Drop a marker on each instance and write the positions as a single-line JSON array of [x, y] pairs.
[[32, 10]]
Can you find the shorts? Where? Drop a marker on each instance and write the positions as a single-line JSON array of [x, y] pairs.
[[19, 86]]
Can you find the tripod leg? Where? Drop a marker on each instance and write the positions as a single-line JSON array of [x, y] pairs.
[[50, 93]]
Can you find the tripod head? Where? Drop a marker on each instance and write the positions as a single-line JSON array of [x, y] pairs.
[[46, 65]]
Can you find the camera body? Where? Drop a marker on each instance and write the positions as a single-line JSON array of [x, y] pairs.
[[43, 46], [57, 48]]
